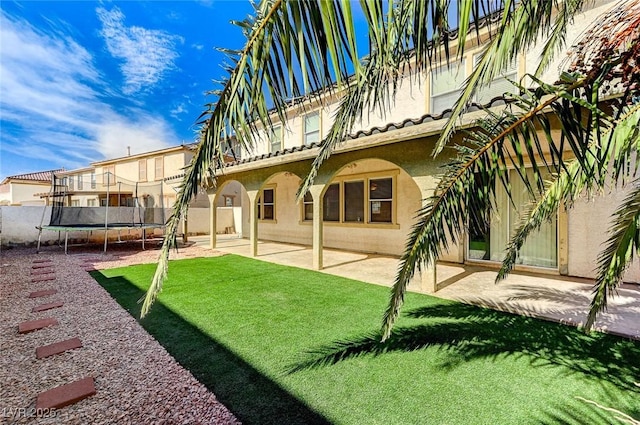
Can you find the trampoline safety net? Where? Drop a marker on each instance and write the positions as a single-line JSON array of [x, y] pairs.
[[114, 203], [123, 203]]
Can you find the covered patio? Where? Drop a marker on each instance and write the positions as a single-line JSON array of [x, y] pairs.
[[557, 298]]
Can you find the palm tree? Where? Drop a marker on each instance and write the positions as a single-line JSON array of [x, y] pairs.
[[306, 49]]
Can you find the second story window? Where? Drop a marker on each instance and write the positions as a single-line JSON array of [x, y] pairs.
[[93, 180], [159, 168], [498, 86], [71, 181], [311, 128], [80, 184], [275, 138], [142, 170], [445, 86]]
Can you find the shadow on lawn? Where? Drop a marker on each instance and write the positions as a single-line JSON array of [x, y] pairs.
[[470, 332], [252, 397]]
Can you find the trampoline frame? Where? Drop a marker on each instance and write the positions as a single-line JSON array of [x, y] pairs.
[[81, 228], [94, 227]]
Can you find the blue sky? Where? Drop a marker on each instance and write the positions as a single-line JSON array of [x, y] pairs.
[[82, 80]]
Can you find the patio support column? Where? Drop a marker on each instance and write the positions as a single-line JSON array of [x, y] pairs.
[[318, 230], [213, 224], [428, 281], [253, 221]]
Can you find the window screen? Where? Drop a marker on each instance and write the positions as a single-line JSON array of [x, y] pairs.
[[445, 86], [354, 201], [311, 128], [380, 200], [331, 203]]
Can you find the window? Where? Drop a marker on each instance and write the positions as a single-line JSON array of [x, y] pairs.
[[80, 183], [380, 200], [142, 170], [275, 138], [540, 248], [70, 181], [499, 86], [267, 205], [354, 201], [445, 86], [93, 180], [233, 150], [307, 207], [91, 202], [348, 201], [331, 203], [159, 168], [75, 202], [228, 201], [312, 128], [109, 175]]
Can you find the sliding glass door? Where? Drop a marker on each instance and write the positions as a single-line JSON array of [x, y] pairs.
[[540, 249]]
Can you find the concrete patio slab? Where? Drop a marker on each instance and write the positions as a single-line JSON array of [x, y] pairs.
[[550, 297]]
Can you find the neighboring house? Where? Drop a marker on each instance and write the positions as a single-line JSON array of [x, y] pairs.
[[367, 193], [151, 171], [21, 189], [147, 176]]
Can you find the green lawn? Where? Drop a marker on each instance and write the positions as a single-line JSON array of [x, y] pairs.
[[281, 345]]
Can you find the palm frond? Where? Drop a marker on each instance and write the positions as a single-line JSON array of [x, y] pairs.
[[466, 191], [576, 178], [624, 239], [619, 250], [517, 30], [282, 37]]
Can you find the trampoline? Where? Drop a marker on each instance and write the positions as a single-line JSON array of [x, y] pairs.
[[124, 205]]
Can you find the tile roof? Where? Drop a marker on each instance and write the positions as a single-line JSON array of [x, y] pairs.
[[496, 101], [40, 176]]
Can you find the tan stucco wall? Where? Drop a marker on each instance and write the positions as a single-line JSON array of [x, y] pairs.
[[22, 193], [588, 222], [580, 23], [287, 226]]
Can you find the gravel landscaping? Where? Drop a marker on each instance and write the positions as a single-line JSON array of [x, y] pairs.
[[136, 380]]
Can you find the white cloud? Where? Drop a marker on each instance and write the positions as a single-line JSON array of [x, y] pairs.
[[197, 46], [52, 104], [179, 109], [146, 54], [114, 136]]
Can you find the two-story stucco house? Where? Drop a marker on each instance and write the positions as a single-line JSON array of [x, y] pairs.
[[149, 176], [367, 193]]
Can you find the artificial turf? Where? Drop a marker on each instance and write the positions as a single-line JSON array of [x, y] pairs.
[[282, 345]]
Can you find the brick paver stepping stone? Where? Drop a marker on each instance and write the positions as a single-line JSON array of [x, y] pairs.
[[58, 347], [42, 271], [42, 260], [48, 306], [44, 278], [34, 325], [67, 394], [41, 266], [43, 293]]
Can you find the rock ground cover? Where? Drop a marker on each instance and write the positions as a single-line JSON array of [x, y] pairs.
[[136, 380]]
